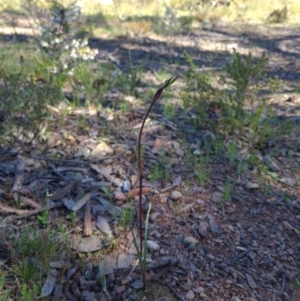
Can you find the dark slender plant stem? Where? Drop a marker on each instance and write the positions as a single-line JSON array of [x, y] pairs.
[[158, 93]]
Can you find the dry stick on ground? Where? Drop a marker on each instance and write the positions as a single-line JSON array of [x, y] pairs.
[[174, 292], [81, 162], [27, 214]]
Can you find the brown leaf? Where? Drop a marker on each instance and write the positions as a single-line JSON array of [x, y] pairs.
[[62, 192], [100, 149], [177, 149], [7, 209], [106, 173], [86, 244], [132, 193], [88, 230], [120, 196], [30, 202], [157, 145]]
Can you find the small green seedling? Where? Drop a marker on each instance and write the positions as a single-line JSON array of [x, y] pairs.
[[44, 218], [73, 218], [227, 192]]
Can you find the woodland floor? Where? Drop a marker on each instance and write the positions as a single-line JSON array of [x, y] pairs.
[[246, 250]]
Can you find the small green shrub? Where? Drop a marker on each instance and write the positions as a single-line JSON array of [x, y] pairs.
[[241, 103], [22, 107]]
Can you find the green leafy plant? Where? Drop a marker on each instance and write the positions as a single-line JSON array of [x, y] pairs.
[[126, 217], [202, 170], [73, 215], [232, 152], [43, 218], [22, 107], [31, 254], [139, 247], [156, 172], [4, 292], [226, 194], [240, 109]]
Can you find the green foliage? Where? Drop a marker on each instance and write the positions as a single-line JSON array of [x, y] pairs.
[[226, 194], [43, 218], [27, 270], [4, 293], [42, 246], [31, 254], [29, 293], [242, 102], [278, 15], [22, 107], [125, 220], [202, 169]]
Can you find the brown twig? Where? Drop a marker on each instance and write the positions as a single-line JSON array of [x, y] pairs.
[[81, 162], [174, 292]]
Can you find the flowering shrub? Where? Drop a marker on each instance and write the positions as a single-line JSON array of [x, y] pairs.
[[56, 39]]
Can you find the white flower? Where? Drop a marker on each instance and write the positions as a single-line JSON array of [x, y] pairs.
[[44, 44], [73, 54], [56, 41]]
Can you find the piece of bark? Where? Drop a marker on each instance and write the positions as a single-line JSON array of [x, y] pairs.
[[88, 229], [19, 176]]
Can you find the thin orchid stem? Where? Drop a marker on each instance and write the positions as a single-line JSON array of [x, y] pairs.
[[158, 93]]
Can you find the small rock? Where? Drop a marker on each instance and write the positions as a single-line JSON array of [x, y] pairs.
[[152, 245], [121, 289], [211, 221], [138, 284], [211, 257], [120, 196], [200, 202], [176, 195], [235, 298], [217, 196], [126, 293], [170, 204], [190, 295], [251, 281], [203, 229], [153, 216], [190, 240], [288, 225], [198, 290], [252, 185], [187, 286], [126, 186], [287, 181]]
